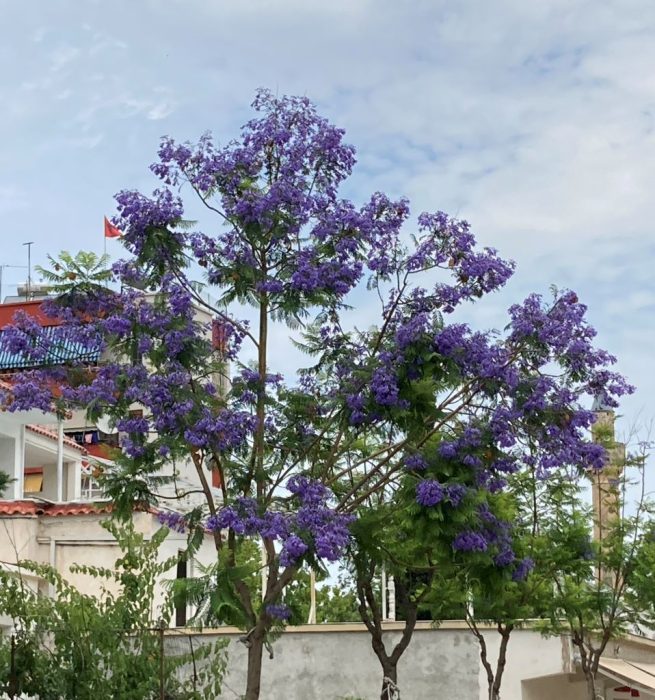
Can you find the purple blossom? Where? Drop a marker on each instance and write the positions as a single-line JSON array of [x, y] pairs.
[[292, 549], [279, 611], [384, 386], [470, 541], [173, 521], [429, 492], [504, 557], [415, 462], [455, 493], [523, 568], [308, 491]]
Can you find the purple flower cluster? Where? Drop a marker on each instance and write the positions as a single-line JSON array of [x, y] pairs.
[[492, 535], [312, 525], [226, 431], [279, 611], [415, 462], [140, 216], [448, 243], [429, 492], [172, 520], [470, 541], [522, 569]]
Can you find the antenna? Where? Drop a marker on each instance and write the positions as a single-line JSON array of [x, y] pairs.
[[29, 245], [2, 269]]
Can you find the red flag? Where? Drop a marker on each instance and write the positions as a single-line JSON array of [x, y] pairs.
[[111, 231]]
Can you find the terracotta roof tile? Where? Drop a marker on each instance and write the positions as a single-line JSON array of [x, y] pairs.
[[28, 507], [78, 508], [53, 436]]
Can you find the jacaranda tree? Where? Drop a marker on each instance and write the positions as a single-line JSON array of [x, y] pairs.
[[297, 455]]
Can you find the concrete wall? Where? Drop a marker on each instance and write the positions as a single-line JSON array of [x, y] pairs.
[[333, 662]]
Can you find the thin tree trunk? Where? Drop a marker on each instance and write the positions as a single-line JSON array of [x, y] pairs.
[[372, 616], [256, 648], [589, 659], [494, 690], [255, 656], [389, 681]]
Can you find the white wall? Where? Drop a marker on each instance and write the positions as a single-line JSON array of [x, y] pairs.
[[332, 662], [18, 539]]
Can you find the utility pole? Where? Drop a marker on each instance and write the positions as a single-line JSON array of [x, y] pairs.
[[29, 245]]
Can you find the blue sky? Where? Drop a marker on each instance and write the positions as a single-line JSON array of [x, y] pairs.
[[533, 120]]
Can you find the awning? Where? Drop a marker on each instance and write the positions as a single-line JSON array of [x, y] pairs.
[[640, 676]]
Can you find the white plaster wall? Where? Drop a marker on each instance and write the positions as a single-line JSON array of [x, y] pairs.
[[49, 489], [332, 662], [18, 539], [312, 664]]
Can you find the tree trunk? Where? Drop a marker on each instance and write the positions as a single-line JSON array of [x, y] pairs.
[[494, 686], [389, 681], [591, 687], [255, 655]]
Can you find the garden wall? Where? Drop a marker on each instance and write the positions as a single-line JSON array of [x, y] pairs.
[[333, 662]]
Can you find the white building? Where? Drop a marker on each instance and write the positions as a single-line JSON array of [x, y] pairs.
[[51, 512]]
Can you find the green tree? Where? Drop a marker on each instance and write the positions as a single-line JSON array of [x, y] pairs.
[[601, 587], [5, 480], [334, 602], [497, 600], [285, 245], [410, 535], [84, 272]]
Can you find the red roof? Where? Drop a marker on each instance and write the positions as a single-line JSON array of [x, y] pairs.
[[31, 308], [51, 435], [27, 507]]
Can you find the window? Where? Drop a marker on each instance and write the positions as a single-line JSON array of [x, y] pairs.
[[33, 480], [90, 490]]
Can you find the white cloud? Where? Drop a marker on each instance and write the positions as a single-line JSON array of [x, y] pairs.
[[62, 56], [160, 111]]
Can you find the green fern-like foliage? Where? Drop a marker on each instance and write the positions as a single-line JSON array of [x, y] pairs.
[[4, 482], [84, 272]]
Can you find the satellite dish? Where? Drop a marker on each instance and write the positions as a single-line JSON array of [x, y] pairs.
[[104, 427]]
